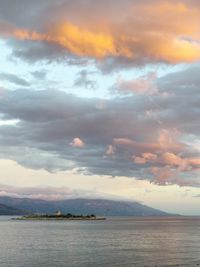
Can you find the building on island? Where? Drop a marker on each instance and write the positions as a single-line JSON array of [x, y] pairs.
[[58, 213]]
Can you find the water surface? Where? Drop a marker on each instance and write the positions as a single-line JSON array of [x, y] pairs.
[[115, 242]]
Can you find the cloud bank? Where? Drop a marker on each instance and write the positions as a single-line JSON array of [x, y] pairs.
[[148, 136]]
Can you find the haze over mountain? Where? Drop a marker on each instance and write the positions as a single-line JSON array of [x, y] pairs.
[[83, 206]]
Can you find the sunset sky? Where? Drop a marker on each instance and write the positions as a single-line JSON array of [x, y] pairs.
[[101, 99]]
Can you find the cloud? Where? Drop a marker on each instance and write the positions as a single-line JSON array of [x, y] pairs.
[[77, 142], [165, 32], [143, 85], [83, 80], [39, 74], [48, 193], [131, 136], [12, 78], [145, 157], [110, 150]]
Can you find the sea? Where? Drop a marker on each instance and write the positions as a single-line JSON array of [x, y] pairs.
[[115, 242]]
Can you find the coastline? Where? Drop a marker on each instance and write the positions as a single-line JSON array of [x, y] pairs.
[[59, 219]]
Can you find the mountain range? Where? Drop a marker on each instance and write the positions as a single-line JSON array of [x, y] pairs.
[[101, 207], [7, 210]]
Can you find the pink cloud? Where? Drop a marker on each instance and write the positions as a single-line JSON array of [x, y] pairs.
[[110, 150], [77, 142], [143, 85]]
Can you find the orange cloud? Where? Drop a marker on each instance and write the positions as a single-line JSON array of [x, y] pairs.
[[76, 40], [160, 32], [82, 42], [194, 162]]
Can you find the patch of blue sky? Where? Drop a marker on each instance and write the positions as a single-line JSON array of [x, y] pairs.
[[8, 64], [62, 76]]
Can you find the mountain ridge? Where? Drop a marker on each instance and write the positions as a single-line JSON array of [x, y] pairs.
[[8, 210], [101, 207]]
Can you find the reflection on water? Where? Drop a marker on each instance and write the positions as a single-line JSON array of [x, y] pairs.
[[114, 242]]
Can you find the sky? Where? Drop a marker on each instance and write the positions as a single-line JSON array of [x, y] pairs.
[[100, 99]]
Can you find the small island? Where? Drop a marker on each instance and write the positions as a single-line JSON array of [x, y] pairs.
[[59, 216]]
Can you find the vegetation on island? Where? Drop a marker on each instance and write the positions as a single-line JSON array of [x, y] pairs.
[[59, 216]]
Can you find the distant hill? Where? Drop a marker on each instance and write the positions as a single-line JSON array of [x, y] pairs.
[[99, 207], [7, 210]]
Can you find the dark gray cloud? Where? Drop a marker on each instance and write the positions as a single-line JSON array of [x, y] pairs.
[[32, 10], [38, 51], [84, 80]]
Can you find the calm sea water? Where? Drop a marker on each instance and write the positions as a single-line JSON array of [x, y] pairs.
[[114, 242]]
